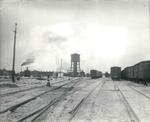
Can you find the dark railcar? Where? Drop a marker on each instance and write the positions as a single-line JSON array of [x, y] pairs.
[[107, 74], [130, 73], [87, 74], [136, 69], [116, 72], [139, 72], [124, 73], [95, 74], [143, 70]]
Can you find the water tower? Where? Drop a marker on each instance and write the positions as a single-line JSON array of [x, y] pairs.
[[75, 64]]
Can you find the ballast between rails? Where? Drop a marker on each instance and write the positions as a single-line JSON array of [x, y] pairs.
[[14, 107], [19, 91], [40, 111], [76, 109], [132, 114], [139, 92]]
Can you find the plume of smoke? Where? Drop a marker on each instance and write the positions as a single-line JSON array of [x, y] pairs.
[[28, 61], [52, 37]]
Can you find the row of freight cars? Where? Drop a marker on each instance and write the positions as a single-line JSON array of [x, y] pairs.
[[139, 72]]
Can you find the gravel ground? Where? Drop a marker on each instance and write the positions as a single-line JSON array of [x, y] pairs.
[[60, 112], [26, 84], [13, 99], [104, 104], [139, 103]]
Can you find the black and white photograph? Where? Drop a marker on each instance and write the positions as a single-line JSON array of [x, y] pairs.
[[74, 60]]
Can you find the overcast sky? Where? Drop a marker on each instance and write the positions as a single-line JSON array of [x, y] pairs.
[[104, 32]]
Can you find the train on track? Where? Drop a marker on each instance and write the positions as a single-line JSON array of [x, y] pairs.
[[95, 74], [107, 74], [115, 73], [139, 72]]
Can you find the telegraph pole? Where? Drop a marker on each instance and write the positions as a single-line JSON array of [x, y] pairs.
[[14, 53], [60, 67]]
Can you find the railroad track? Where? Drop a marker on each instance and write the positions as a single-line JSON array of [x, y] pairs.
[[54, 102], [42, 110], [78, 106], [28, 89], [139, 92], [14, 107], [131, 113], [19, 91]]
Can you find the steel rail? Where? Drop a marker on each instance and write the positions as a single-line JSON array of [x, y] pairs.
[[14, 107], [133, 116], [40, 111], [76, 109]]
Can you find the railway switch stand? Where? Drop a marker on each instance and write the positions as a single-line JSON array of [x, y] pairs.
[[48, 81]]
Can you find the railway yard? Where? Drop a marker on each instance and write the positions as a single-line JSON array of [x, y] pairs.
[[75, 61], [76, 100]]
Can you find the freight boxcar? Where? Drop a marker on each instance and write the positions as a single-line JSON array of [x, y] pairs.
[[130, 73], [95, 74], [140, 72], [116, 73], [124, 73], [143, 71], [136, 69]]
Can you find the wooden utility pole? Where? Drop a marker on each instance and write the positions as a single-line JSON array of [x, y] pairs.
[[60, 67], [14, 53]]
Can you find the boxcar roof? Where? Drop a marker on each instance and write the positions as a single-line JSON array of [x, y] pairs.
[[115, 67], [142, 62]]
